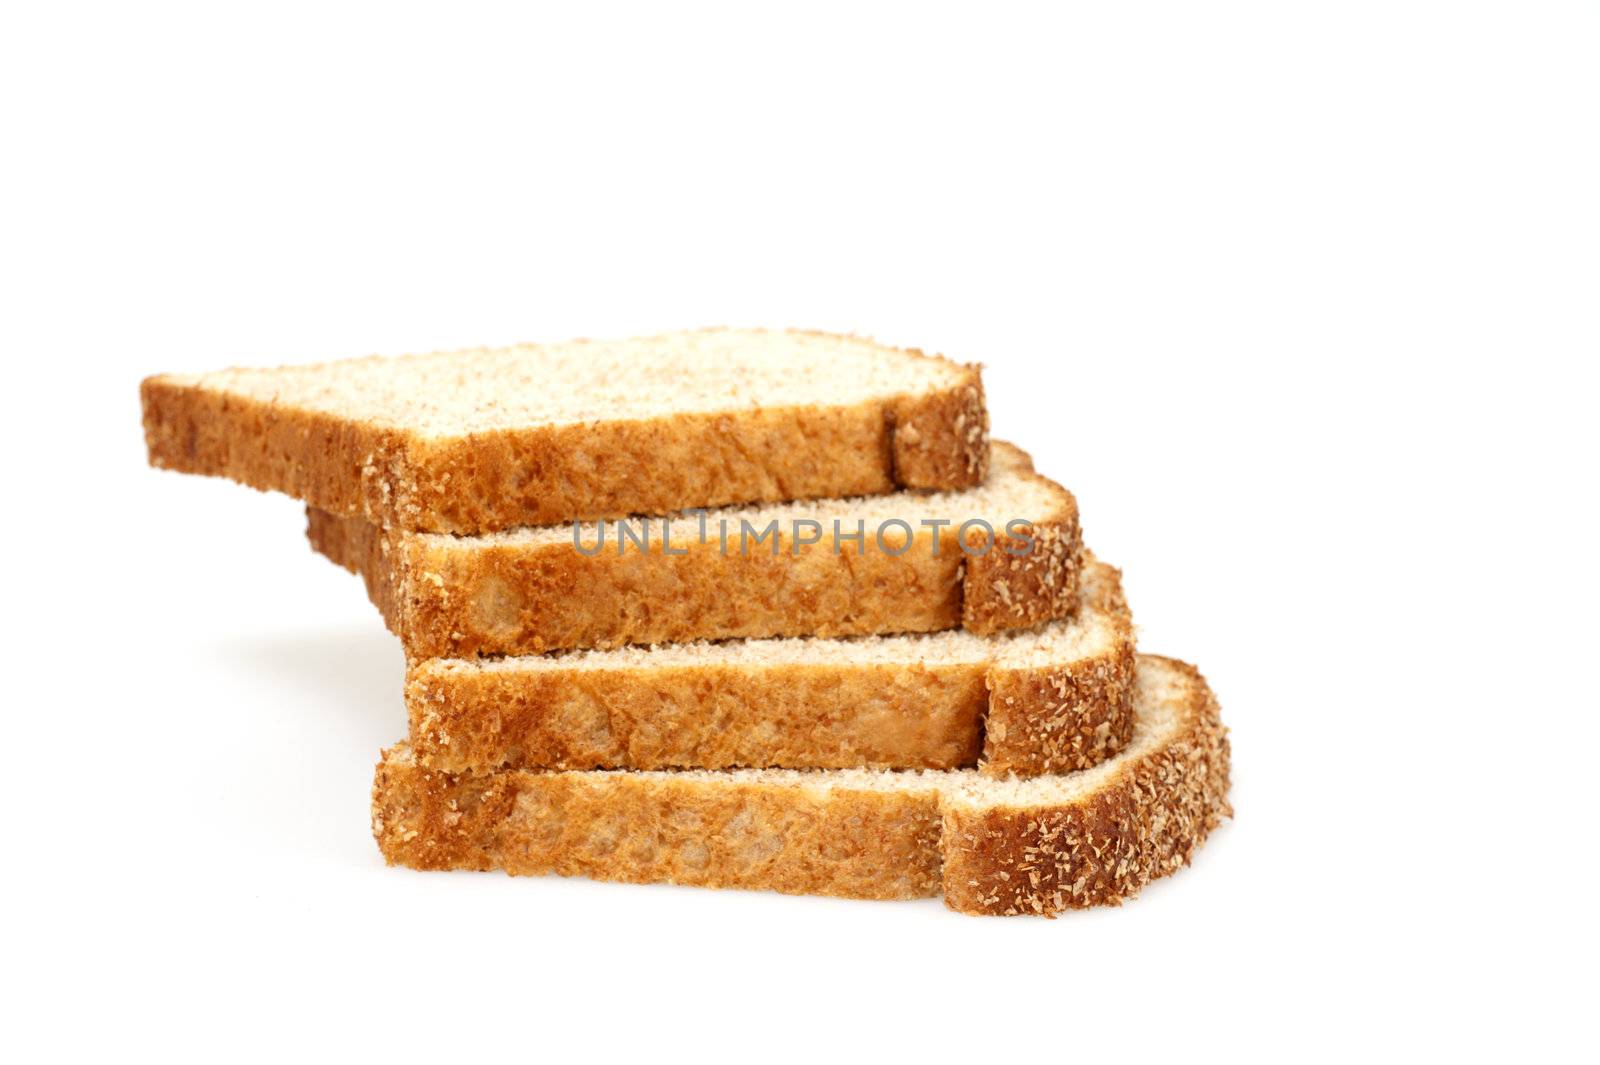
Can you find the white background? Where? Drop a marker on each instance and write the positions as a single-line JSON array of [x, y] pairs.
[[1301, 300]]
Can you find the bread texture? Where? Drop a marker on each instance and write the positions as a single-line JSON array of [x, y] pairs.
[[876, 566], [485, 439], [1046, 700], [1037, 846]]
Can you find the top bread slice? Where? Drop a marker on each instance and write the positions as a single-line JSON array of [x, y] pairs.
[[491, 438], [1006, 555]]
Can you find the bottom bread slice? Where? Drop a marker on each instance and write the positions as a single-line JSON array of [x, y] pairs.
[[994, 846]]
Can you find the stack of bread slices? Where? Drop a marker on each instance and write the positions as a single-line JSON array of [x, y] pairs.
[[732, 608]]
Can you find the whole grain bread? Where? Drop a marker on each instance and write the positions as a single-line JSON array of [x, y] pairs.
[[469, 441], [990, 846], [533, 590], [1046, 700]]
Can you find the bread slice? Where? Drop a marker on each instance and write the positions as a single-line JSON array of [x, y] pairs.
[[469, 441], [532, 590], [1054, 699], [1037, 846]]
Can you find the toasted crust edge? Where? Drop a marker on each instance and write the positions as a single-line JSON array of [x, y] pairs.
[[1068, 716], [1028, 574], [542, 476], [941, 440], [1102, 850]]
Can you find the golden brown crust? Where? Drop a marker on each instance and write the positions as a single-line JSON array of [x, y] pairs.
[[1063, 717], [430, 820], [1057, 719], [542, 476], [1026, 720], [793, 833], [510, 598], [1145, 823], [622, 826], [1028, 575], [942, 439]]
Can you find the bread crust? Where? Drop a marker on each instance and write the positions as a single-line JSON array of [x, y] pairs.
[[510, 598], [819, 833], [1144, 823], [1027, 577], [545, 475], [828, 714], [941, 440], [1058, 718]]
